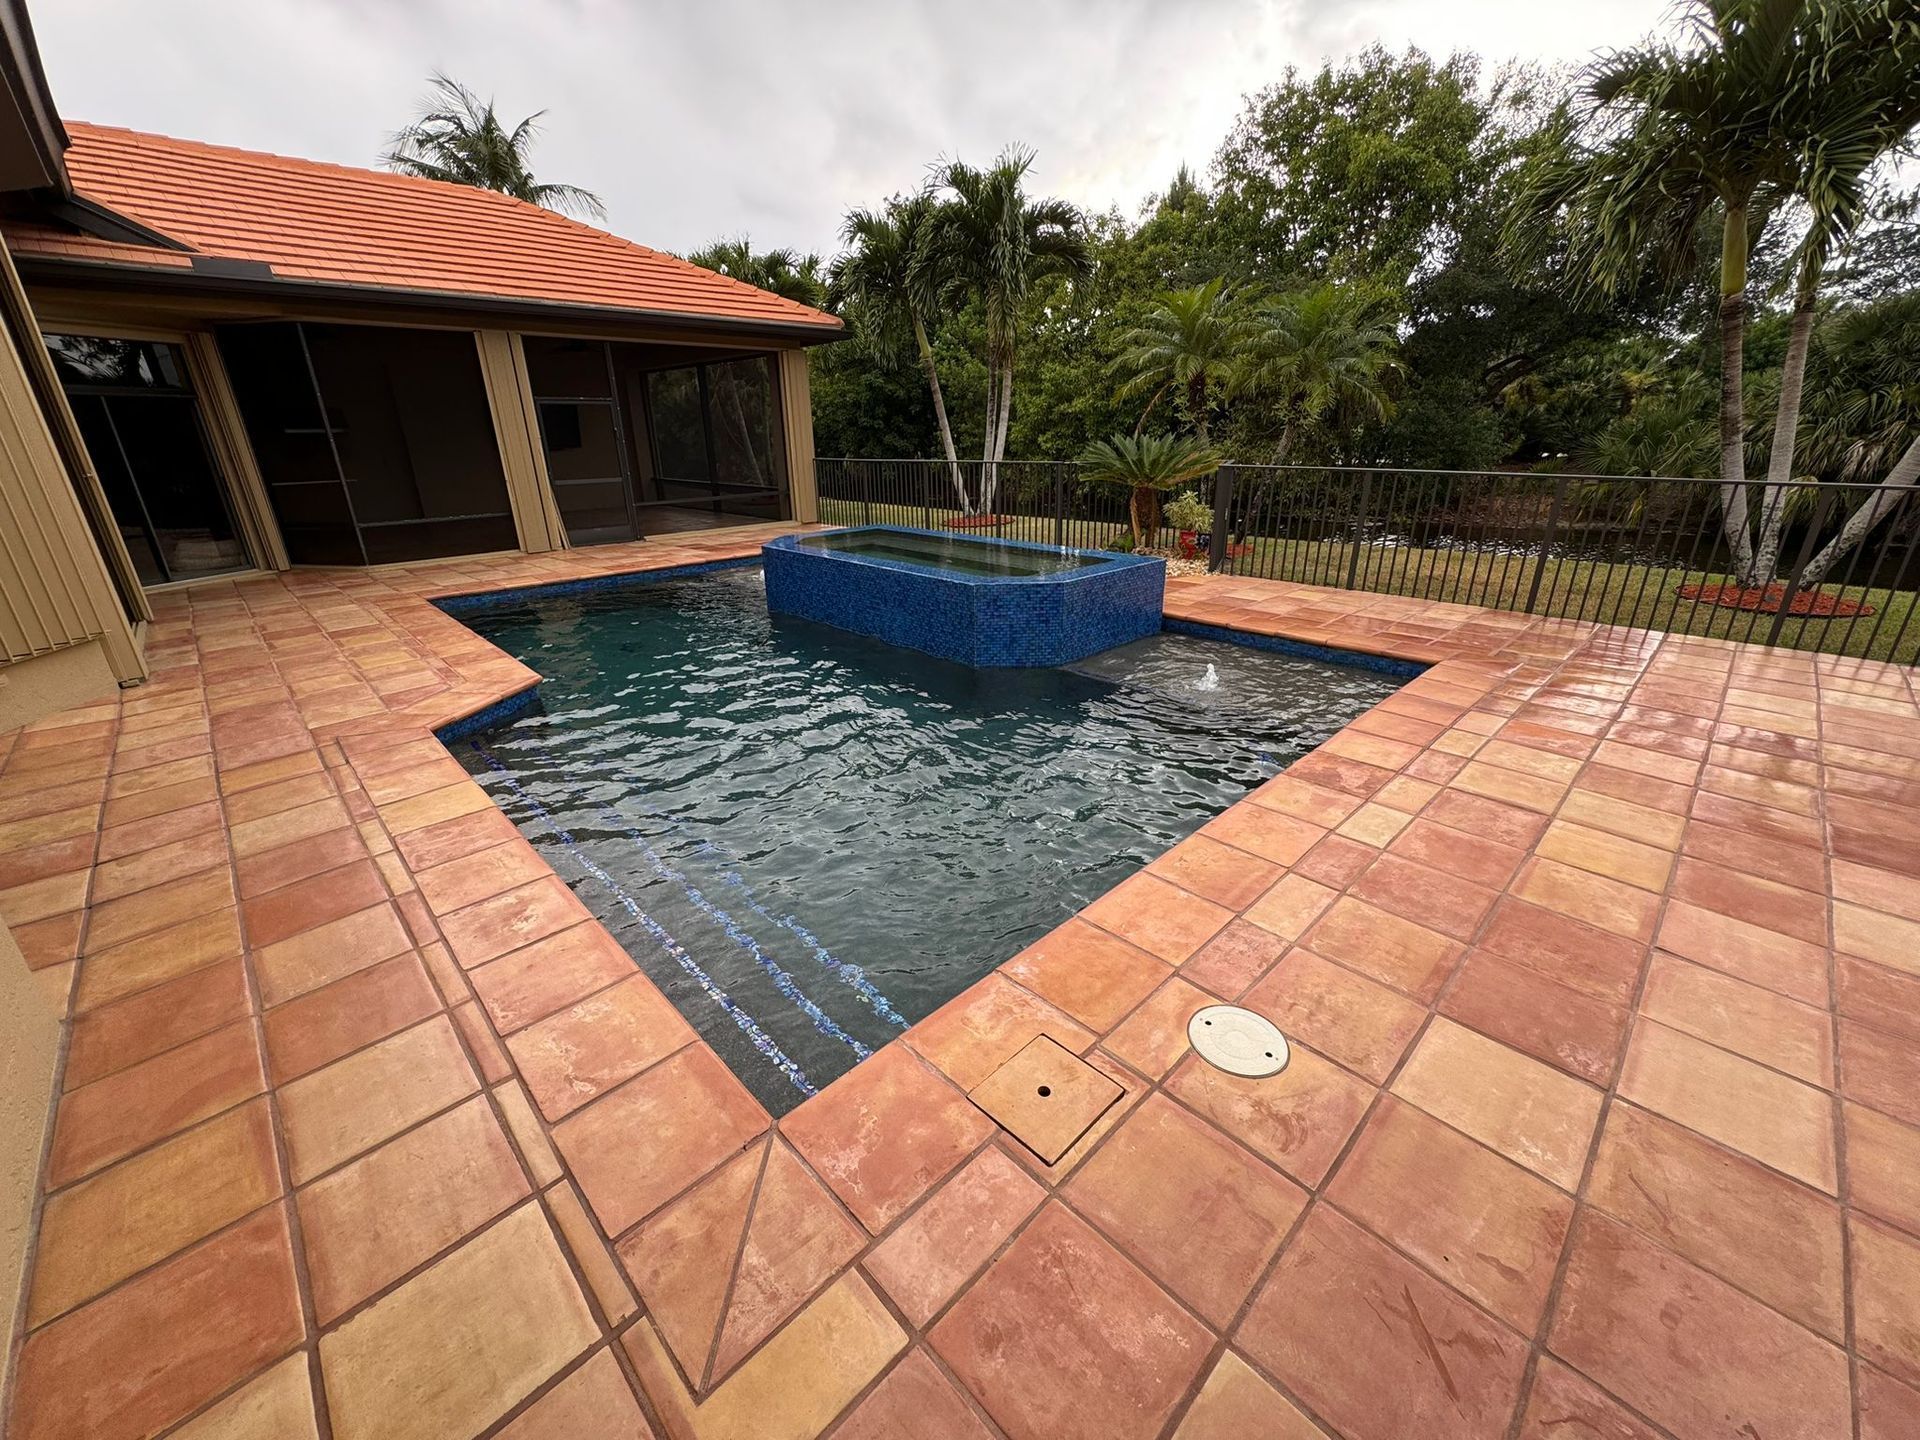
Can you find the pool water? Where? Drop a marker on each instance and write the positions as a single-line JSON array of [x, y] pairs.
[[965, 554], [810, 840]]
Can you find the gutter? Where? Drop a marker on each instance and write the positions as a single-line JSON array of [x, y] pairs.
[[259, 282]]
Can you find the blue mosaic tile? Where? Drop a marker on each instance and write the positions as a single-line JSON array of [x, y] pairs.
[[493, 716], [1280, 645], [494, 599], [979, 620]]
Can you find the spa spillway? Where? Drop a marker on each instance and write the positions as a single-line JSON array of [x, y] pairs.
[[977, 601]]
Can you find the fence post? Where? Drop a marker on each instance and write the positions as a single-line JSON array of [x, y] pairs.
[[1546, 541], [1799, 567], [866, 494], [1217, 537], [1359, 522], [1060, 504]]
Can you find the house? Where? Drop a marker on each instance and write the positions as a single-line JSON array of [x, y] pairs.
[[219, 362], [215, 362]]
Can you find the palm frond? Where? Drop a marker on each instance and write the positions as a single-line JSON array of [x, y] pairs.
[[458, 139]]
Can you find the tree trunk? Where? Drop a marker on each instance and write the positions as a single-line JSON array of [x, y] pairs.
[[1143, 513], [940, 412], [990, 487], [1733, 411], [986, 442], [1149, 410], [1280, 454], [1285, 447], [1899, 482], [1786, 430]]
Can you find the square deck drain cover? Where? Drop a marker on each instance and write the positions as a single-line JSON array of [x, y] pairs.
[[1046, 1097]]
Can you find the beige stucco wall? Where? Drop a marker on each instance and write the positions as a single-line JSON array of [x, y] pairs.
[[29, 1048], [58, 680]]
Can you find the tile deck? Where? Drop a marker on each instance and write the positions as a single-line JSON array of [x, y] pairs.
[[1599, 950]]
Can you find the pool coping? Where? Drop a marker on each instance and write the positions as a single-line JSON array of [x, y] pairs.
[[1507, 679]]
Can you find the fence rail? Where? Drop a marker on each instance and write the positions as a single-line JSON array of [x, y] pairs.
[[1643, 552]]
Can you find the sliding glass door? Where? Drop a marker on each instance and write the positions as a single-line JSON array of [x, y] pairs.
[[142, 428]]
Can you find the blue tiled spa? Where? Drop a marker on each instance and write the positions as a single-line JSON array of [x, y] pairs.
[[977, 601]]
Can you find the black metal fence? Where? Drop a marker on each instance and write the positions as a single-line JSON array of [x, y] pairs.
[[1644, 552]]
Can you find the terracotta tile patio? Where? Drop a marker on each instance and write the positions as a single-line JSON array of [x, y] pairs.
[[1599, 950]]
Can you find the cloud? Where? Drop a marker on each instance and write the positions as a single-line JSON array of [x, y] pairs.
[[742, 116]]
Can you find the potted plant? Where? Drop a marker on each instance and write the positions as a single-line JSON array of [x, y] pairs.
[[1193, 518], [1148, 465]]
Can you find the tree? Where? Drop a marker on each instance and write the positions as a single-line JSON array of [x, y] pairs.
[[457, 138], [784, 272], [887, 274], [1356, 172], [1147, 465], [1762, 104], [1188, 339], [1863, 416], [1325, 354], [1859, 99], [992, 244]]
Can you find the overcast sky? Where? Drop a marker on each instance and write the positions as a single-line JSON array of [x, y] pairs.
[[697, 121]]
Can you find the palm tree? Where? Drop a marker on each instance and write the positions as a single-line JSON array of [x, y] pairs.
[[886, 273], [457, 138], [1671, 138], [992, 243], [1147, 465], [1189, 338], [1325, 353], [784, 272], [1766, 103], [1859, 102], [1863, 416]]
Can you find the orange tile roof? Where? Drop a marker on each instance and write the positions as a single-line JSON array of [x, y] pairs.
[[369, 229]]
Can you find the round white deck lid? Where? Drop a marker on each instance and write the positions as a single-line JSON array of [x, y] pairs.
[[1238, 1041]]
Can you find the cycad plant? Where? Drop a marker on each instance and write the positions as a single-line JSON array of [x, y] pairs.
[[457, 138], [1149, 466]]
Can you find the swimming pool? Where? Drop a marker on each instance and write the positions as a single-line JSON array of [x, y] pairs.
[[811, 840]]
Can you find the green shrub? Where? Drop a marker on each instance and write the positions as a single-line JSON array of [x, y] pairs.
[[1186, 511]]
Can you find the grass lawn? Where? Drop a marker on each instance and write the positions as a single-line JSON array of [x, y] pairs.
[[1619, 593]]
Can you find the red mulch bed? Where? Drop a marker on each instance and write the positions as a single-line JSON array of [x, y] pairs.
[[1767, 600], [977, 522]]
